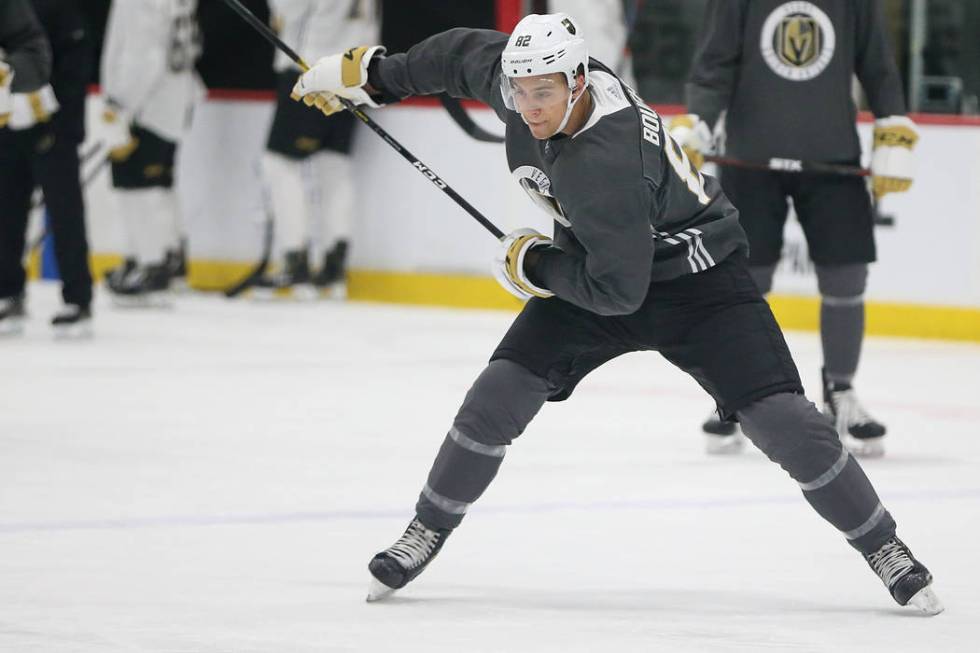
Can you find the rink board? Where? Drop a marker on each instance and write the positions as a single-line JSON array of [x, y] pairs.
[[412, 244]]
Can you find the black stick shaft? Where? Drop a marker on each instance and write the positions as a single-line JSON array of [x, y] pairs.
[[427, 172], [791, 165]]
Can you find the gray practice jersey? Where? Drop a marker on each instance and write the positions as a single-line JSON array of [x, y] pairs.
[[783, 71], [628, 206]]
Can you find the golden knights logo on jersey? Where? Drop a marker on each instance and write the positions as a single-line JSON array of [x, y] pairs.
[[798, 41]]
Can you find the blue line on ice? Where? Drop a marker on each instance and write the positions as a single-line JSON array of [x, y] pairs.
[[709, 503]]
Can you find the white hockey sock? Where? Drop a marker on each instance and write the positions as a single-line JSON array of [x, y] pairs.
[[287, 192], [148, 219], [334, 175]]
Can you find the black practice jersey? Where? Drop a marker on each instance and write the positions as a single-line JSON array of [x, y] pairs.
[[783, 72], [628, 206], [24, 46]]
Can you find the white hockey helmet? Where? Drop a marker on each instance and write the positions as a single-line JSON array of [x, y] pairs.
[[543, 44]]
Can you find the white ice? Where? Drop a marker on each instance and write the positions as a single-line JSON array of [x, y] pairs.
[[216, 478]]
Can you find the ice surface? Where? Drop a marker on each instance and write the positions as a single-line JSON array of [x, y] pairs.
[[216, 478]]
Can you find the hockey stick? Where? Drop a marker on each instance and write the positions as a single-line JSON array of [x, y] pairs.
[[256, 272], [791, 165], [794, 165], [465, 122], [263, 29]]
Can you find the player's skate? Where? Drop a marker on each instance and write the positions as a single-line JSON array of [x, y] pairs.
[[114, 277], [722, 436], [176, 263], [331, 279], [145, 286], [13, 315], [290, 281], [908, 580], [862, 434], [73, 321], [394, 567]]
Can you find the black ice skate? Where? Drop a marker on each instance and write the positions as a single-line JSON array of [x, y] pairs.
[[145, 286], [294, 273], [12, 315], [862, 434], [73, 321], [394, 567], [176, 262], [115, 277], [722, 436], [331, 279], [908, 580]]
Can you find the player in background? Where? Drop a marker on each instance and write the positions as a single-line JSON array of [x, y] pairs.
[[782, 72], [647, 254], [45, 124], [150, 86], [307, 164]]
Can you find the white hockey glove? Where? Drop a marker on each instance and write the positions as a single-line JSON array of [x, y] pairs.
[[29, 109], [508, 263], [693, 135], [6, 101], [342, 75], [115, 133], [892, 162]]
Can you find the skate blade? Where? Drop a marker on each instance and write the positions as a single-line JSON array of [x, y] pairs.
[[299, 293], [926, 601], [378, 591], [73, 331], [724, 445], [865, 448], [12, 326], [151, 300], [335, 292]]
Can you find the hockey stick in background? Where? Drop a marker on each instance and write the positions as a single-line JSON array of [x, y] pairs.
[[456, 111], [797, 166], [791, 165], [263, 29], [267, 234]]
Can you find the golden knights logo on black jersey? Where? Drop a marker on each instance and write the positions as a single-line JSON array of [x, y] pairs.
[[798, 41]]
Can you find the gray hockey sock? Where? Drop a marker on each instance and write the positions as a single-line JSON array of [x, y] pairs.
[[790, 430], [497, 408], [842, 318]]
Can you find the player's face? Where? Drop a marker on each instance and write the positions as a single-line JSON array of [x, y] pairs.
[[542, 100]]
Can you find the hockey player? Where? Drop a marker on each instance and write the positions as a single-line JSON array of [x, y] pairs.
[[648, 254], [39, 147], [149, 85], [782, 71], [299, 136]]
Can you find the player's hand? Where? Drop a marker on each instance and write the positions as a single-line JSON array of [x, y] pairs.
[[6, 101], [693, 135], [892, 162], [116, 134], [508, 264], [338, 75], [33, 108]]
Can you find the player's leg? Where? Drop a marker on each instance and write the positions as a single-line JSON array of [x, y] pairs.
[[146, 200], [293, 138], [836, 216], [739, 355], [761, 202], [547, 350], [333, 171], [57, 171], [16, 186]]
